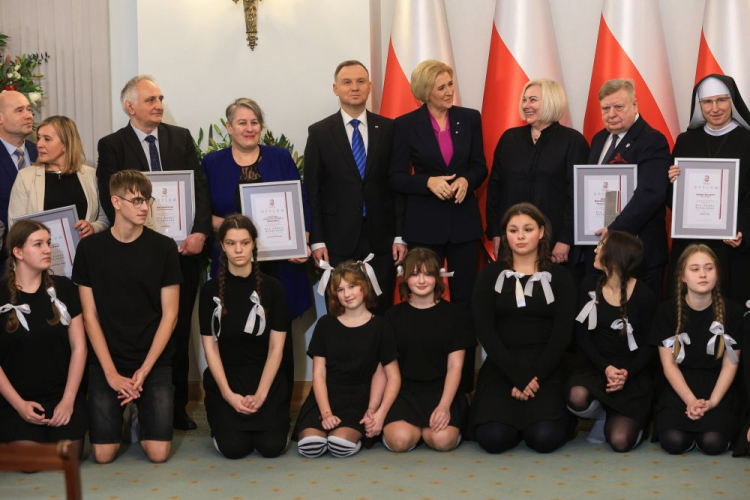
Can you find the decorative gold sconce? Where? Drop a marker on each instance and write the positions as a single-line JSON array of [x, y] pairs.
[[251, 21]]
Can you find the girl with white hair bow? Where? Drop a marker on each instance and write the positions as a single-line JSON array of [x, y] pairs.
[[41, 321], [524, 307], [698, 334], [611, 384]]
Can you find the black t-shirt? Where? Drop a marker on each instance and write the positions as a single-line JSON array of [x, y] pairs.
[[126, 280], [426, 337], [36, 361], [63, 190], [236, 347], [352, 353]]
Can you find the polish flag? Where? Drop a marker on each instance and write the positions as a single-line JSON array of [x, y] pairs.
[[631, 45], [725, 42], [419, 32], [522, 47]]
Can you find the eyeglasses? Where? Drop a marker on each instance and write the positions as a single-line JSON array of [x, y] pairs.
[[138, 202], [709, 103]]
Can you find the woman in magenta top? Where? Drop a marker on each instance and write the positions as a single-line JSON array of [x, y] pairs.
[[437, 163]]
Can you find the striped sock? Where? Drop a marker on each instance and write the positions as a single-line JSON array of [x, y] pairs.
[[341, 447], [312, 446]]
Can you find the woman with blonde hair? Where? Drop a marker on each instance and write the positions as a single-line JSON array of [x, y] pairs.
[[698, 334], [59, 178], [534, 163]]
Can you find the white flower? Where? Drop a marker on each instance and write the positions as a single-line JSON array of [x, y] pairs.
[[18, 66], [35, 98], [10, 75], [17, 75]]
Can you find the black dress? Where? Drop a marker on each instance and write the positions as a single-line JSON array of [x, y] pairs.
[[604, 346], [743, 446], [244, 355], [425, 339], [701, 370], [521, 343], [352, 355], [540, 173], [36, 362], [734, 263]]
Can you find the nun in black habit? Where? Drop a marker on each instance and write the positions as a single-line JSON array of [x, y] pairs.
[[719, 128]]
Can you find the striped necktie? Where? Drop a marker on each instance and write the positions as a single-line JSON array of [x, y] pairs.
[[21, 162], [358, 148]]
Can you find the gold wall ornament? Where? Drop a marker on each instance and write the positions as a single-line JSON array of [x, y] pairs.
[[251, 21]]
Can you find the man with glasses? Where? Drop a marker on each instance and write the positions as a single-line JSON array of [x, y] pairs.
[[628, 139], [147, 144], [129, 281]]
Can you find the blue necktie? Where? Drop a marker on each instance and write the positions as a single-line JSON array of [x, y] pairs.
[[358, 148], [153, 153]]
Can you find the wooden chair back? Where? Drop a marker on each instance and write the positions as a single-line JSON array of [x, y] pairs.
[[44, 456]]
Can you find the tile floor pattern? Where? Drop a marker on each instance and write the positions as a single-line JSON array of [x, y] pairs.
[[578, 471]]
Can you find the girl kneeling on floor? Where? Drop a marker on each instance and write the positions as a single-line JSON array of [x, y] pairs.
[[432, 336], [697, 333], [349, 345]]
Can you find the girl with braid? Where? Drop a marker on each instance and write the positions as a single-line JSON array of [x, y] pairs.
[[698, 334], [611, 383], [243, 320], [42, 345]]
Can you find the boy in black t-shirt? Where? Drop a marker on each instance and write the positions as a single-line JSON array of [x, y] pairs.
[[129, 281]]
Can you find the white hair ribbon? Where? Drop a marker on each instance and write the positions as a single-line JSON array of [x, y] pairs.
[[589, 310], [400, 271], [747, 304], [216, 314], [445, 274], [544, 278], [326, 276], [256, 311], [617, 325], [20, 311], [683, 339], [520, 300], [718, 330], [371, 273], [64, 314]]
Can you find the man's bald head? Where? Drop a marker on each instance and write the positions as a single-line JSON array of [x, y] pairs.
[[16, 118]]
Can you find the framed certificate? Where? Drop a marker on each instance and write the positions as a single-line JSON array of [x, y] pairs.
[[600, 192], [173, 210], [276, 210], [61, 223], [704, 199]]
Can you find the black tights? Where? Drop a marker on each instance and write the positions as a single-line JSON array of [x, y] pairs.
[[677, 442], [239, 444], [621, 432], [544, 437]]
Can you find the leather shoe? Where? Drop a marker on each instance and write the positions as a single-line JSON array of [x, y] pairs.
[[183, 422]]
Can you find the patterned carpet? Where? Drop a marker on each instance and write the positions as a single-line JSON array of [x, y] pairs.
[[578, 471]]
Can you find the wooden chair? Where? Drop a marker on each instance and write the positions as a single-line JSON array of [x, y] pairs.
[[44, 456]]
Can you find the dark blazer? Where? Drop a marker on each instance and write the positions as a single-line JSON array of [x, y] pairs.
[[8, 173], [121, 150], [223, 175], [428, 219], [644, 214], [337, 192]]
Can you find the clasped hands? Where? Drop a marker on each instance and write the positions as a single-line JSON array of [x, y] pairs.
[[698, 408], [528, 392], [445, 190], [616, 378], [247, 405]]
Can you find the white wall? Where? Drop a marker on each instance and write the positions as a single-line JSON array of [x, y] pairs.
[[196, 50]]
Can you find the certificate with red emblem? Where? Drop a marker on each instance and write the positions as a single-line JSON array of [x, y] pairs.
[[600, 193]]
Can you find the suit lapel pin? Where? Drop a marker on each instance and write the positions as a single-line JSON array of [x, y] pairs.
[[377, 126], [627, 145]]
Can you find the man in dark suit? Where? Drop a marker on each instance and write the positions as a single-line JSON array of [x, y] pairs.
[[16, 122], [347, 157], [628, 139], [147, 144]]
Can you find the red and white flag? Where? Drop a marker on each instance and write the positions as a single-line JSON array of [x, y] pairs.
[[522, 47], [725, 42], [631, 45], [419, 32]]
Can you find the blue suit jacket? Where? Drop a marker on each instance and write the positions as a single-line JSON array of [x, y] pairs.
[[8, 173], [223, 176], [428, 219], [644, 214]]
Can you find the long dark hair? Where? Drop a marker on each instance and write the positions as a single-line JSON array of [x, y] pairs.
[[237, 221], [17, 237], [717, 301], [621, 254], [543, 259]]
